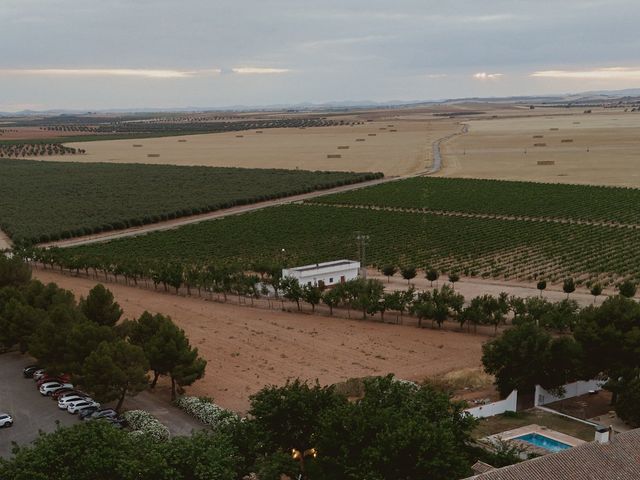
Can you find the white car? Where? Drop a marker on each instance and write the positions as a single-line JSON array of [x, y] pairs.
[[49, 387], [38, 374], [5, 420], [63, 403], [75, 407]]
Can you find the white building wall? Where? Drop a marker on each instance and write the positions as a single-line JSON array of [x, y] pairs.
[[575, 389], [509, 404], [324, 273]]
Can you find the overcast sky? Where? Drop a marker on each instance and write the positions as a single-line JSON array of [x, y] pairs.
[[91, 54]]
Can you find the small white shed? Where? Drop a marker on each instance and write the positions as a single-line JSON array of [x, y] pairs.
[[325, 274]]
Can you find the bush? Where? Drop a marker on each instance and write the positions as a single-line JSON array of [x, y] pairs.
[[143, 423], [204, 410]]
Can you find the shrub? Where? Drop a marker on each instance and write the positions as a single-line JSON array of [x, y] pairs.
[[204, 410], [143, 423]]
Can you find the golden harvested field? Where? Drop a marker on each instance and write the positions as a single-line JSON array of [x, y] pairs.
[[601, 148], [407, 150]]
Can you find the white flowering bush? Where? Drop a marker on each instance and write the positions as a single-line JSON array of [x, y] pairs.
[[143, 423], [205, 411]]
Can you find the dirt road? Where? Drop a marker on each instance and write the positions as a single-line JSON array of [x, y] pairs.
[[249, 348]]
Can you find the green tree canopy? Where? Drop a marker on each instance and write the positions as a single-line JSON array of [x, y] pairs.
[[114, 370], [100, 307]]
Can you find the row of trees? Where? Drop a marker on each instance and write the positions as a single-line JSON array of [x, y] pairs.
[[598, 341], [18, 150], [366, 296], [108, 358], [396, 430]]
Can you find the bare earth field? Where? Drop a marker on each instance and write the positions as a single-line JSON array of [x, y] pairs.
[[405, 151], [248, 348], [602, 148]]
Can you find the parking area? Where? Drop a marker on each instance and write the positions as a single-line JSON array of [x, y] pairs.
[[20, 398]]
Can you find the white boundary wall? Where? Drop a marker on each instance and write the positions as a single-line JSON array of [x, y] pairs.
[[575, 389], [509, 404]]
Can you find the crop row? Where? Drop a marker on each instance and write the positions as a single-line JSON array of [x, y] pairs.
[[302, 234], [45, 201], [524, 199]]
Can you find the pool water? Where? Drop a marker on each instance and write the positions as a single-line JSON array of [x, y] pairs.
[[543, 442]]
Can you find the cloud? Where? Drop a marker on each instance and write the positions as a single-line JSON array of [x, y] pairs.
[[610, 73], [107, 72], [258, 70], [487, 76]]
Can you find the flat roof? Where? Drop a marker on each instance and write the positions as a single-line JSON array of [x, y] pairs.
[[337, 263]]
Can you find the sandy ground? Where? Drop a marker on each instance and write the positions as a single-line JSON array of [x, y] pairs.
[[405, 151], [248, 348], [470, 288], [495, 148]]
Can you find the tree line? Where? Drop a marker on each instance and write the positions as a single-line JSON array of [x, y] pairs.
[[596, 342], [394, 430], [107, 357]]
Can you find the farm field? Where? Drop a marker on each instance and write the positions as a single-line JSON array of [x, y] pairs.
[[495, 197], [247, 348], [494, 148], [371, 146], [477, 247], [89, 198]]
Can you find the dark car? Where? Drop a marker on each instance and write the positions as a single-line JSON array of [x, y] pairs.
[[29, 370], [105, 413], [87, 412]]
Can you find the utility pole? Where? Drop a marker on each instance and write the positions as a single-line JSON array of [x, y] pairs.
[[362, 240]]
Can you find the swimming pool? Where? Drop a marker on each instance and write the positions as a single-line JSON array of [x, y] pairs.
[[543, 442]]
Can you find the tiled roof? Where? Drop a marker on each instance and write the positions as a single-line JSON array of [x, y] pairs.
[[617, 460]]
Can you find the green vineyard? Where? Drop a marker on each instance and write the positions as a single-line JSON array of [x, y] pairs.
[[302, 234], [46, 201], [497, 197]]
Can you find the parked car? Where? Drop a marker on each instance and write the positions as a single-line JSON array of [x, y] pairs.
[[102, 413], [38, 374], [117, 422], [5, 420], [58, 393], [50, 387], [64, 402], [72, 393], [53, 378], [75, 407], [29, 370], [87, 412]]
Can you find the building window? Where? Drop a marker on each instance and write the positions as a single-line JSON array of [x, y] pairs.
[[331, 280]]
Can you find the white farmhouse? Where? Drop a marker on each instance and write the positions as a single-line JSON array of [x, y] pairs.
[[325, 274]]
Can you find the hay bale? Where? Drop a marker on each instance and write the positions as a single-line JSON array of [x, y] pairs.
[[390, 125], [360, 139], [258, 131], [566, 140], [546, 162], [554, 129], [333, 155], [538, 136], [576, 123], [153, 155], [182, 141], [343, 147], [137, 145], [539, 144], [372, 134], [382, 128], [239, 136], [393, 130]]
